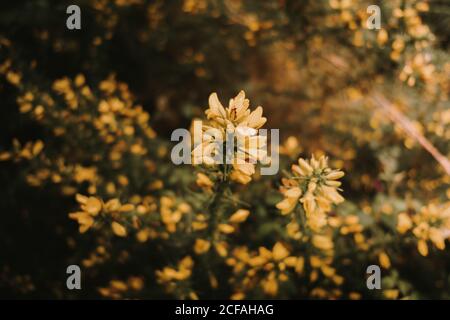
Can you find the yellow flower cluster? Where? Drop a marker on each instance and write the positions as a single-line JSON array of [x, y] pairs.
[[97, 257], [19, 152], [182, 272], [117, 288], [315, 186], [171, 213], [273, 263], [239, 122], [268, 269], [91, 207], [418, 67], [432, 223], [350, 225], [116, 122], [176, 279]]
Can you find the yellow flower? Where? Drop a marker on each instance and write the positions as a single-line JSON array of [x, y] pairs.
[[201, 246], [118, 285], [126, 207], [118, 229], [322, 242], [404, 223], [84, 219], [241, 124], [287, 205], [279, 251], [385, 262], [225, 228], [300, 265], [354, 296], [240, 176], [432, 223], [270, 285], [37, 147], [315, 186], [84, 174], [203, 181], [239, 216], [237, 296], [112, 205], [290, 147], [237, 113], [382, 37], [13, 77], [221, 249], [136, 283], [92, 206], [327, 271], [5, 156], [422, 247], [437, 238], [183, 271], [292, 193], [391, 293]]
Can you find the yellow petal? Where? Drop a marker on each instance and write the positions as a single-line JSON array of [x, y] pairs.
[[279, 251], [404, 223], [385, 262], [80, 198], [201, 246], [93, 206], [295, 192], [216, 106], [204, 181], [239, 216], [306, 169], [226, 228], [237, 296], [238, 176], [290, 261], [221, 249], [118, 229], [38, 146], [112, 205], [126, 207], [334, 175], [322, 242], [286, 205], [422, 247]]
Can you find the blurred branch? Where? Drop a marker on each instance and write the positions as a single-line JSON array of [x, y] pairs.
[[399, 118]]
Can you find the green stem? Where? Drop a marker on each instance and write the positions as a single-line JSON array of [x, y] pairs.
[[303, 222], [213, 208]]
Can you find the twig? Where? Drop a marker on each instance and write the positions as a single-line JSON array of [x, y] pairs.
[[396, 116]]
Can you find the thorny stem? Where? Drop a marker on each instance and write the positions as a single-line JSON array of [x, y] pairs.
[[213, 210], [305, 232], [214, 206], [303, 222]]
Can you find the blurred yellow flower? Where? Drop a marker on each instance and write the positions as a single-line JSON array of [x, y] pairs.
[[118, 229], [239, 216], [238, 122], [201, 246], [314, 185], [384, 260]]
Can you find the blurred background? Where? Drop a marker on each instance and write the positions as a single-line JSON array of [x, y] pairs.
[[374, 101]]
